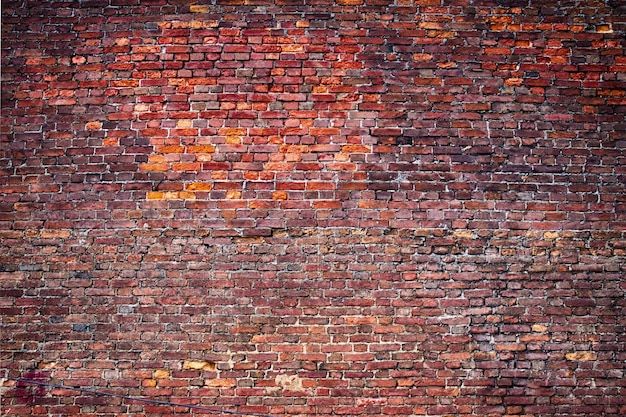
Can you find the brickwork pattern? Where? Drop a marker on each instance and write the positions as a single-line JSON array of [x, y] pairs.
[[313, 207]]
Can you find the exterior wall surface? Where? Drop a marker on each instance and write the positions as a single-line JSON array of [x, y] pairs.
[[313, 207]]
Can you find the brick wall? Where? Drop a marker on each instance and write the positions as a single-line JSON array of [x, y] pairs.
[[313, 207]]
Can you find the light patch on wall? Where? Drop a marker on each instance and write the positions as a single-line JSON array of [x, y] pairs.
[[290, 382], [203, 365], [581, 356]]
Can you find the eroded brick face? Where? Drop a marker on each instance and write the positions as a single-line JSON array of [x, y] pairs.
[[358, 207]]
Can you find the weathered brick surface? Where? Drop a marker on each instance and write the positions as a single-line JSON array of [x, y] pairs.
[[359, 207]]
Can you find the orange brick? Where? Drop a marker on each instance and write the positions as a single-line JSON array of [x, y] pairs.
[[422, 57], [156, 159], [320, 185], [581, 356], [279, 195], [324, 131], [93, 125], [187, 166], [201, 149], [232, 131], [356, 149], [124, 83], [278, 166], [513, 81], [327, 204], [199, 186], [221, 383], [440, 34], [260, 204], [154, 167], [294, 149], [535, 337], [170, 149], [184, 132], [198, 9], [54, 234], [292, 48], [233, 140]]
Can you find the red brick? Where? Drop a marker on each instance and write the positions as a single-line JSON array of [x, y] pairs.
[[368, 208]]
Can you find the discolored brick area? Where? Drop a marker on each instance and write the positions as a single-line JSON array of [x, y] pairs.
[[311, 207]]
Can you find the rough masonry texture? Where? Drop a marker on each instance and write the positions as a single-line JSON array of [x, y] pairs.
[[314, 207]]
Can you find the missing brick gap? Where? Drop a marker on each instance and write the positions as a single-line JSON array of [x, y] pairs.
[[604, 28]]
